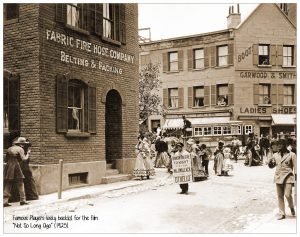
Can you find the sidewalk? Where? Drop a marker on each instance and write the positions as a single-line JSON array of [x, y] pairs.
[[161, 178], [270, 225]]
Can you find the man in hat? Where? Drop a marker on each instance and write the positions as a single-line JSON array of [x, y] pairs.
[[285, 176], [186, 124], [13, 172], [181, 152]]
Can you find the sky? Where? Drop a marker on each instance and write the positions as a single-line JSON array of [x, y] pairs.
[[174, 20]]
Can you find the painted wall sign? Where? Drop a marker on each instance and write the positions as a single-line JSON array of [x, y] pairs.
[[94, 49], [271, 75], [245, 54], [267, 110]]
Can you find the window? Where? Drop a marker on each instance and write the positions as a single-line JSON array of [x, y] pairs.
[[78, 178], [223, 55], [218, 130], [198, 96], [173, 61], [11, 11], [198, 58], [207, 131], [263, 55], [222, 95], [248, 129], [108, 21], [264, 94], [76, 107], [11, 108], [288, 98], [198, 131], [227, 130], [173, 98], [288, 52], [77, 15]]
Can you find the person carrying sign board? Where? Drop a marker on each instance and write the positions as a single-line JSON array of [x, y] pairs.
[[182, 170]]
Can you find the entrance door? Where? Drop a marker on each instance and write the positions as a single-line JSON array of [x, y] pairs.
[[264, 130], [113, 126]]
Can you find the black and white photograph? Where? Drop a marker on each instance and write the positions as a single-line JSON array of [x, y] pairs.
[[149, 117]]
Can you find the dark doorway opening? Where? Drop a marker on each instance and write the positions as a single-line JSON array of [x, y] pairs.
[[113, 126]]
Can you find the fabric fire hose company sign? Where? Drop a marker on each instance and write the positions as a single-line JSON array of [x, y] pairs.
[[182, 168]]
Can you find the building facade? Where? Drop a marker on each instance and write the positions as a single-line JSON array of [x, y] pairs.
[[71, 88], [230, 82]]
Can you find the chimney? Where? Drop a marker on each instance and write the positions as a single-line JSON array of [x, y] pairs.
[[234, 18]]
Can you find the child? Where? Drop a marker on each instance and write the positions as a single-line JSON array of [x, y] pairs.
[[227, 166]]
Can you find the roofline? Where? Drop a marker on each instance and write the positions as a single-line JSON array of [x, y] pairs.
[[256, 10], [186, 37]]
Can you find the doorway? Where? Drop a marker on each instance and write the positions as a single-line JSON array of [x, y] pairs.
[[113, 126]]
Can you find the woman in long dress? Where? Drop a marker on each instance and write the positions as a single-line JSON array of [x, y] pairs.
[[218, 158], [227, 166], [143, 165]]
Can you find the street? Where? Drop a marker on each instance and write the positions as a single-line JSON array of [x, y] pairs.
[[239, 203]]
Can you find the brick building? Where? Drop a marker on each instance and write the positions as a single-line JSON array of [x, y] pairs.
[[71, 88], [230, 82]]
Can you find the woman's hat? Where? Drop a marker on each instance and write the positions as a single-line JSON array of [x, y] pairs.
[[179, 144], [190, 141], [21, 140], [221, 141]]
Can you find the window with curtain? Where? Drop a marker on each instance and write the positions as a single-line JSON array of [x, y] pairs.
[[198, 58], [173, 98], [75, 105], [108, 20], [288, 94], [77, 15], [223, 55], [264, 94], [198, 96], [173, 61], [222, 95], [263, 55], [288, 58]]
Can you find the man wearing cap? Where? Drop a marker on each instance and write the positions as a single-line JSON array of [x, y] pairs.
[[13, 172], [285, 176], [181, 152]]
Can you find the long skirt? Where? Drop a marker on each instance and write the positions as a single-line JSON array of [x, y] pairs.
[[162, 160], [227, 166], [218, 164], [198, 170], [143, 166]]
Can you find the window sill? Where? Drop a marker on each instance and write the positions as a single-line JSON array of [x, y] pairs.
[[77, 134], [264, 65], [85, 32], [12, 21], [108, 40], [5, 131], [170, 72], [225, 66], [198, 107], [173, 108], [264, 105], [287, 66], [198, 69]]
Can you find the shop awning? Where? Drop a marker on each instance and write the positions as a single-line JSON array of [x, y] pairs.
[[177, 123], [284, 119]]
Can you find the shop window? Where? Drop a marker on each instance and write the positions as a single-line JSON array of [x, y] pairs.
[[227, 130], [207, 131], [199, 96], [264, 94], [222, 95], [76, 107], [173, 61], [11, 108], [173, 98], [239, 129], [198, 58], [222, 55], [10, 11], [288, 55], [77, 15], [289, 98], [198, 131], [248, 129], [217, 130], [263, 54]]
